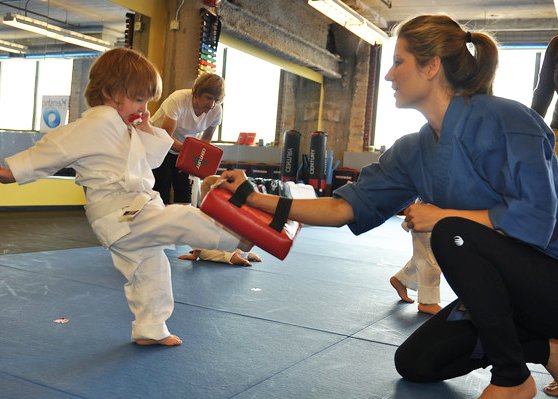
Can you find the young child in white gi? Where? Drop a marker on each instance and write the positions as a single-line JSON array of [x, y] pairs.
[[236, 257], [421, 274], [113, 161]]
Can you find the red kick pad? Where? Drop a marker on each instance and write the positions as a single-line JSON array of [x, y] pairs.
[[250, 223], [199, 158]]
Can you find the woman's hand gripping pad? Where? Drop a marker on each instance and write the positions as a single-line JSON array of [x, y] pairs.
[[250, 223]]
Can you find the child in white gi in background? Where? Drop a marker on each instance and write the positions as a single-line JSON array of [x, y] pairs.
[[236, 257], [113, 161], [421, 274]]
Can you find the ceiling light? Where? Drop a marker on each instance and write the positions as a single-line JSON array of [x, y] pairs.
[[12, 47], [350, 19], [55, 32]]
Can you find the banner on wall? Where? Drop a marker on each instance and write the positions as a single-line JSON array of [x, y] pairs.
[[54, 112]]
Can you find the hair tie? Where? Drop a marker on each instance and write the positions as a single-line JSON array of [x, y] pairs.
[[468, 37]]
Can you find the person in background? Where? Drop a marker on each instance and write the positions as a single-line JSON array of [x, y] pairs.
[[113, 158], [486, 170], [185, 113], [421, 273], [236, 257], [547, 85], [542, 97]]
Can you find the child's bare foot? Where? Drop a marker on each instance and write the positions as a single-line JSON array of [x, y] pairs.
[[552, 367], [527, 390], [171, 340], [401, 289], [430, 308], [236, 259]]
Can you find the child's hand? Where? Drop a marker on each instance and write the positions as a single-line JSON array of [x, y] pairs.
[[144, 125], [141, 122], [6, 175]]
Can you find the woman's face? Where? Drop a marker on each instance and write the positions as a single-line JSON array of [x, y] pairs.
[[407, 78], [203, 103]]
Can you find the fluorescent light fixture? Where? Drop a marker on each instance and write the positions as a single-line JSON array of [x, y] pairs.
[[350, 19], [56, 32], [12, 47]]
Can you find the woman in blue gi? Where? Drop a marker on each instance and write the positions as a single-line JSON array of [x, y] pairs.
[[485, 168]]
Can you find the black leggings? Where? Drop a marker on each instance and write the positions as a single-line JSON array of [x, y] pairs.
[[168, 175], [509, 290]]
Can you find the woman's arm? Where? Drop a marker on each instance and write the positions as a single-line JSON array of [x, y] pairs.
[[318, 212]]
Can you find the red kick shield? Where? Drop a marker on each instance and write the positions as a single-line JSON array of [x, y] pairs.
[[250, 223], [198, 158]]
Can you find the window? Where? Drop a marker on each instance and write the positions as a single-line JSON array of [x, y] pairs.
[[250, 104], [55, 79], [17, 93], [23, 82]]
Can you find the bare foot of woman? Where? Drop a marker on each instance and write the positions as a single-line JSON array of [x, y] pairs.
[[551, 389], [429, 308], [171, 340], [552, 367], [527, 390], [401, 289]]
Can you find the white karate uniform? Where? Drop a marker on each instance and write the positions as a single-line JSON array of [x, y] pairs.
[[114, 165], [422, 273]]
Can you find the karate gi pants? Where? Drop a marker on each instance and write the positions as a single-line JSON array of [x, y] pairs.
[[140, 257]]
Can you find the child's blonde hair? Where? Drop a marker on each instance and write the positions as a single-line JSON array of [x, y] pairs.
[[122, 72]]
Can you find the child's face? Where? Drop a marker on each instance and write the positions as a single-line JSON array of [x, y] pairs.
[[127, 106]]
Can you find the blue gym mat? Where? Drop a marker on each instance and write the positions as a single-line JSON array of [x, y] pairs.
[[324, 323]]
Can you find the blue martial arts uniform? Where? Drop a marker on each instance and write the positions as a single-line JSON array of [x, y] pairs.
[[493, 153]]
